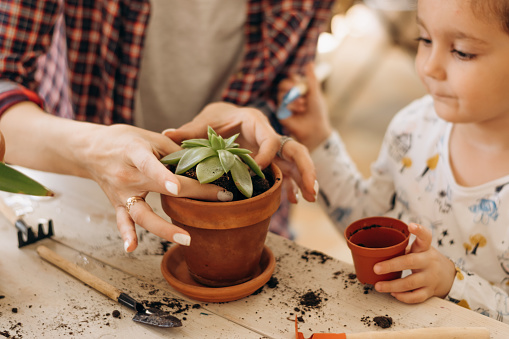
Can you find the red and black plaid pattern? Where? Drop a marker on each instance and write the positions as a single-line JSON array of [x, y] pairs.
[[96, 65]]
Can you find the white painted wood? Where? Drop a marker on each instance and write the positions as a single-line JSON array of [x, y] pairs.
[[85, 231]]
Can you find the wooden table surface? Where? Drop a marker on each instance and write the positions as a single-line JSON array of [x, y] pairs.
[[38, 300]]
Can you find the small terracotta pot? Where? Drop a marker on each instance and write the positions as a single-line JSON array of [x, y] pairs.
[[376, 239], [227, 238]]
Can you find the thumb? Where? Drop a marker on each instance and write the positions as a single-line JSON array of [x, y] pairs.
[[190, 130], [423, 238]]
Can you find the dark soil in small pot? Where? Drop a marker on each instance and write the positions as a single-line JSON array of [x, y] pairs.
[[376, 239], [227, 238]]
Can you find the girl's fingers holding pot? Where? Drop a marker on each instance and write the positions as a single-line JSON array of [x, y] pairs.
[[411, 261], [423, 238], [407, 284], [414, 297]]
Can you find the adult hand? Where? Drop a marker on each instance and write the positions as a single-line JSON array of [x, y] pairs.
[[432, 272], [257, 135], [309, 122], [124, 161]]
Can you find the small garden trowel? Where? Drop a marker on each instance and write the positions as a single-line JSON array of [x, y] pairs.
[[150, 316]]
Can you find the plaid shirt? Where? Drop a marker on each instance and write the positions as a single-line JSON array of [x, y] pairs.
[[82, 57]]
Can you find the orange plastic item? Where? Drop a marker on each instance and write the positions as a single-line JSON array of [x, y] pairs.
[[299, 335]]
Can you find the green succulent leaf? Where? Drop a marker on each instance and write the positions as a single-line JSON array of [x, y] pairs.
[[210, 132], [195, 143], [14, 181], [174, 158], [216, 142], [193, 157], [238, 151], [230, 141], [242, 178], [252, 164], [209, 170], [227, 159]]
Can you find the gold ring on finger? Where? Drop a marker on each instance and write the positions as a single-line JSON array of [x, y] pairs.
[[131, 201]]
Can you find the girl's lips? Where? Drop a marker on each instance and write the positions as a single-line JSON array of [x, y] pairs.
[[439, 96]]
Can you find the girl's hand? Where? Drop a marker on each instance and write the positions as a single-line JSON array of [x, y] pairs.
[[309, 122], [432, 273]]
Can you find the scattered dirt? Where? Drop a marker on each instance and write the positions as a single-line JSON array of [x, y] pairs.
[[316, 254], [174, 304], [115, 314], [383, 321], [273, 282]]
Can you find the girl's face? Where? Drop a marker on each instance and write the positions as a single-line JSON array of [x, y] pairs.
[[463, 60]]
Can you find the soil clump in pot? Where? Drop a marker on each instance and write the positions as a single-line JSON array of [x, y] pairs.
[[260, 185]]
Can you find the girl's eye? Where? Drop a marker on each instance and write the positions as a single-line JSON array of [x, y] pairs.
[[424, 40], [462, 55]]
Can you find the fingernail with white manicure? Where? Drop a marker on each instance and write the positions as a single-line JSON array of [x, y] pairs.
[[182, 239], [127, 243], [316, 187], [168, 130], [172, 187], [224, 196]]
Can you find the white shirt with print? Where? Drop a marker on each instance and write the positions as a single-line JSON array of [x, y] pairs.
[[412, 180]]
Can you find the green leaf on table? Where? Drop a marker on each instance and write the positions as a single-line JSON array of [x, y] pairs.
[[14, 181]]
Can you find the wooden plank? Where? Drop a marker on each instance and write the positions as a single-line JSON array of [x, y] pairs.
[[86, 222]]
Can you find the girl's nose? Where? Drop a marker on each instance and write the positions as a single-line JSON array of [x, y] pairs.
[[433, 65]]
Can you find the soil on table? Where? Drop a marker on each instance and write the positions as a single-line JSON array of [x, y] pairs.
[[383, 321], [260, 185]]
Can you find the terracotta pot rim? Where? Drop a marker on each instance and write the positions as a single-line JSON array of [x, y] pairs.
[[369, 220], [277, 175], [378, 249]]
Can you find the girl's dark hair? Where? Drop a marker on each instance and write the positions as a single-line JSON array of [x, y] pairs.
[[493, 10]]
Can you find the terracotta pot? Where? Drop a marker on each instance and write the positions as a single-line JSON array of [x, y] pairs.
[[227, 238], [376, 239]]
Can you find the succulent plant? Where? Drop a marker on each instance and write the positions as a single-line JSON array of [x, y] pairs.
[[214, 157]]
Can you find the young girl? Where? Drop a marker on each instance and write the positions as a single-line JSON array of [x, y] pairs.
[[444, 164]]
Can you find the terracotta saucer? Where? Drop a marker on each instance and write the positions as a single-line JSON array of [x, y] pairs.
[[174, 269]]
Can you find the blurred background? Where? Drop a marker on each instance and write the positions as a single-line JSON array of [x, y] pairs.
[[368, 57]]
